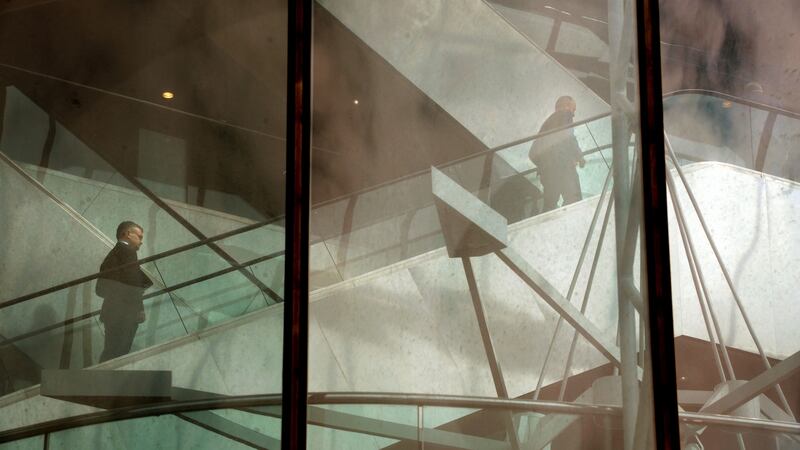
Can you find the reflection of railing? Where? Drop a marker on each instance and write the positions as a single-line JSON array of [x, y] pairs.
[[320, 400], [142, 261], [488, 152], [236, 266], [148, 296], [158, 201], [741, 131]]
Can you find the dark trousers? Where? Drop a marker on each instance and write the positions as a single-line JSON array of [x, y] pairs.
[[120, 332], [559, 181]]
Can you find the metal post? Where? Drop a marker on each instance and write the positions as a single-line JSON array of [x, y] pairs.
[[298, 197], [488, 346], [655, 242], [619, 32]]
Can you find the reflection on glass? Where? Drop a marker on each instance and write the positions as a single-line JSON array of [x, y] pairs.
[[467, 267], [87, 142], [732, 182]]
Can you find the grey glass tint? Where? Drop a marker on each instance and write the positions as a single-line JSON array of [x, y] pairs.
[[170, 116], [474, 233], [732, 181]]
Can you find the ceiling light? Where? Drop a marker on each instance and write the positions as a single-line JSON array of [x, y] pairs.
[[727, 104], [355, 102], [167, 95]]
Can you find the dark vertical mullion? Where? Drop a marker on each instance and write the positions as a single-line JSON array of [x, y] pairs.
[[656, 236], [298, 183]]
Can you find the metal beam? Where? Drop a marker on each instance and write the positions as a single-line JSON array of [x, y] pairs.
[[488, 347], [655, 240], [756, 386], [550, 294], [298, 205]]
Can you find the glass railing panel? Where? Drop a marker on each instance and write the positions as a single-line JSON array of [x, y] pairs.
[[63, 329], [755, 434], [38, 329], [119, 129], [226, 297], [363, 426], [501, 428], [783, 154], [161, 432], [517, 191], [460, 318], [33, 443], [271, 273], [189, 265], [402, 236], [202, 290], [707, 128], [264, 240]]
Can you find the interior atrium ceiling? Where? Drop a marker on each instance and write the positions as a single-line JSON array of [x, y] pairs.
[[740, 48], [226, 67]]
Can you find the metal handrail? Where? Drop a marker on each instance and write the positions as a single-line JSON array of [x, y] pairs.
[[733, 98], [396, 180], [166, 290], [215, 401], [148, 259]]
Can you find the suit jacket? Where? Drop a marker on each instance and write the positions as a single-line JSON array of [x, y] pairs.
[[122, 288], [556, 149]]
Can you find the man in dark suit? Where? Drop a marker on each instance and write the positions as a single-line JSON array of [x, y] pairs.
[[122, 288], [556, 156]]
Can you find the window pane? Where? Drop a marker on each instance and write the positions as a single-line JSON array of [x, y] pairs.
[[170, 115], [465, 241], [731, 122]]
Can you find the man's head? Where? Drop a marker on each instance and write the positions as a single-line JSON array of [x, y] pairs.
[[566, 103], [132, 233]]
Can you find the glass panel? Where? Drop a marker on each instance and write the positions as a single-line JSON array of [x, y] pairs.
[[783, 153], [170, 116], [446, 260], [732, 215], [160, 432], [707, 128], [362, 426], [34, 443], [62, 329]]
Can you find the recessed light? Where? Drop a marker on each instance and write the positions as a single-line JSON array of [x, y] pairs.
[[355, 102], [167, 95]]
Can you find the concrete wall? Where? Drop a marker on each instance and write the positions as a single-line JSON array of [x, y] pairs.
[[469, 60]]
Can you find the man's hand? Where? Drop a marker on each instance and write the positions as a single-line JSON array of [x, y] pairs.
[[581, 162], [141, 318]]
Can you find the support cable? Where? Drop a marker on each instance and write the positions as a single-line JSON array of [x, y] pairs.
[[697, 286], [572, 284], [727, 275], [585, 302]]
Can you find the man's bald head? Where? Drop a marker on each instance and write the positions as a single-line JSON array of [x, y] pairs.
[[566, 103]]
